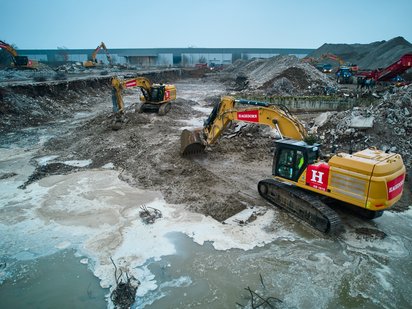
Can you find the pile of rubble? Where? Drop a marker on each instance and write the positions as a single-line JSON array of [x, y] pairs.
[[367, 56], [42, 73], [386, 125], [279, 75]]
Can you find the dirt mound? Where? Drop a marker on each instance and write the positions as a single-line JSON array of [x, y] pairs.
[[383, 124], [39, 103], [367, 56], [280, 75]]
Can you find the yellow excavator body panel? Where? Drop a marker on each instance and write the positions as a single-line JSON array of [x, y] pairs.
[[370, 178]]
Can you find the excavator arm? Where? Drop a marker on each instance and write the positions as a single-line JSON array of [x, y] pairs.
[[226, 111], [92, 62]]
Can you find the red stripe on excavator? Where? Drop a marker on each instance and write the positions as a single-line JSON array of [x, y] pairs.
[[395, 186], [131, 83], [249, 116]]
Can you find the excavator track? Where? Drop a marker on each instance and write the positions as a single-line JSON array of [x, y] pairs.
[[305, 206]]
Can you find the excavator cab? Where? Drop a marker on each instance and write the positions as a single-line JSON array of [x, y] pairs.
[[157, 93], [21, 60], [292, 157]]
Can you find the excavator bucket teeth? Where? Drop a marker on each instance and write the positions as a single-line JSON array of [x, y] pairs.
[[191, 142]]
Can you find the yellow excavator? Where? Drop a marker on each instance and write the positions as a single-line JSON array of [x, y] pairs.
[[156, 97], [19, 62], [93, 61], [368, 181]]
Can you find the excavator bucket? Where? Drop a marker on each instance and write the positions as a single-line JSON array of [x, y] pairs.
[[191, 142]]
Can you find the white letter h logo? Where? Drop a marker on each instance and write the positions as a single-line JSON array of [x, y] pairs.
[[317, 176]]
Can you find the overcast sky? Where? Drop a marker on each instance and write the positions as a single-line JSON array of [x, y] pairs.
[[48, 24]]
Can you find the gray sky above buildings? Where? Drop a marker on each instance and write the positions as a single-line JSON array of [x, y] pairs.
[[48, 24]]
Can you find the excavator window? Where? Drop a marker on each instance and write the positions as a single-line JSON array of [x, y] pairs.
[[290, 163], [158, 93]]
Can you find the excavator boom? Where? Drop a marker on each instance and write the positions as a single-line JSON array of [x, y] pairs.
[[193, 142]]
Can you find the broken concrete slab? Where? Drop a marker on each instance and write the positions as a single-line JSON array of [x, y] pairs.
[[360, 122]]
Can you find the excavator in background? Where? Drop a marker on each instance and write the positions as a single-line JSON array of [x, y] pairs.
[[20, 62], [352, 67], [155, 98], [368, 181], [333, 57], [346, 68], [93, 61]]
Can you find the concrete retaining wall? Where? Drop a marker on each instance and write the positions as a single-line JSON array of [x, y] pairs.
[[315, 104]]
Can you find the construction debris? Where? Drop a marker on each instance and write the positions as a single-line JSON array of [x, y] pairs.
[[149, 214], [259, 301], [383, 124], [123, 296], [280, 75]]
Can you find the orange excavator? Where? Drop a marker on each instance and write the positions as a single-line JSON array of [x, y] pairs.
[[93, 61], [20, 62], [368, 181]]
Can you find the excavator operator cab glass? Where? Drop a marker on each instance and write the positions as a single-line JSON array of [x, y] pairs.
[[21, 60], [292, 157], [289, 163], [158, 93]]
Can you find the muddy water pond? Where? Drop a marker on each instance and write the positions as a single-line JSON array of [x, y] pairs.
[[58, 235]]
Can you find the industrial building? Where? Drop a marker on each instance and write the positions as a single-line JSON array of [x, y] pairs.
[[149, 57]]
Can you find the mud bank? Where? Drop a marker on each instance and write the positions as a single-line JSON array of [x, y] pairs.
[[28, 103]]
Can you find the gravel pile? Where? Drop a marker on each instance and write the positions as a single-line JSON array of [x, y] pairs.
[[367, 56], [280, 75]]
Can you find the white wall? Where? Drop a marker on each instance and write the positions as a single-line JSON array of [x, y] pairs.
[[165, 59], [218, 58], [37, 57]]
